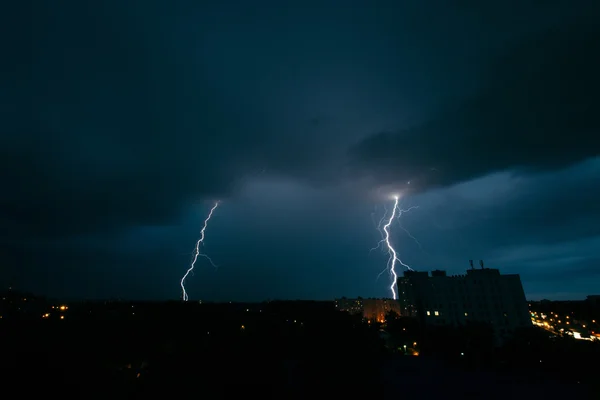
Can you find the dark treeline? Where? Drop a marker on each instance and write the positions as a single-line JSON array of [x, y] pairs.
[[119, 349], [275, 350]]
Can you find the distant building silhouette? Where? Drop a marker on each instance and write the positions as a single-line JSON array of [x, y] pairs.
[[377, 309], [352, 306], [21, 305], [371, 309], [482, 295], [594, 301]]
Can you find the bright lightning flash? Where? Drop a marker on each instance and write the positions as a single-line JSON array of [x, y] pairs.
[[393, 255], [197, 252]]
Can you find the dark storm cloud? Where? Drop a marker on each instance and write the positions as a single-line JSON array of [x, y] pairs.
[[548, 208], [122, 121], [89, 270], [537, 111], [543, 226], [555, 208], [508, 218], [117, 127], [121, 114]]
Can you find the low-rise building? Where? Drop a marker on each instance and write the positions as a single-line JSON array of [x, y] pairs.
[[371, 309], [378, 309], [352, 306]]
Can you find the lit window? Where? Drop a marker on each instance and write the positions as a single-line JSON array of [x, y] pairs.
[[428, 312], [466, 314], [437, 313]]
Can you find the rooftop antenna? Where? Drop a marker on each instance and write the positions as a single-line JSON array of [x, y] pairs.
[[471, 262], [481, 263]]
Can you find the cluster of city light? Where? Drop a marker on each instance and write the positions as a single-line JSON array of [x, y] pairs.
[[61, 308], [565, 325]]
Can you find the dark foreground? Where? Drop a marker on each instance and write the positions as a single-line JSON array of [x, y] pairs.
[[273, 351]]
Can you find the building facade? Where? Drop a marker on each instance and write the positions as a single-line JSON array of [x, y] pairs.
[[481, 295], [377, 309], [351, 306], [370, 309]]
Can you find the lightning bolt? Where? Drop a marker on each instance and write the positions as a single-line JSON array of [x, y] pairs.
[[197, 252], [393, 254]]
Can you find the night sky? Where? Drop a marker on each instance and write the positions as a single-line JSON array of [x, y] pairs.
[[123, 122]]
